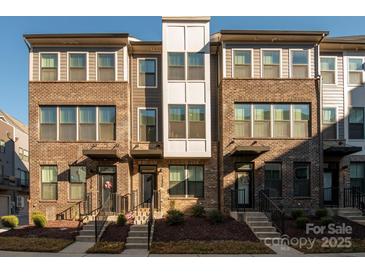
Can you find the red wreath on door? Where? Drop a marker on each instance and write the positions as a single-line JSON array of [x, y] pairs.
[[108, 185]]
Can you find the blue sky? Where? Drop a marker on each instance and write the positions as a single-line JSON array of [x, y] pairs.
[[13, 51]]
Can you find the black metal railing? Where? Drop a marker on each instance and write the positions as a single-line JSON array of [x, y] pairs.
[[353, 197], [102, 216], [239, 202], [150, 220], [78, 210], [272, 211]]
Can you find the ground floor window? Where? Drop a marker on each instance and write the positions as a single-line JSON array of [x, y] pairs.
[[186, 180], [357, 175], [77, 182], [302, 179], [273, 182], [49, 182]]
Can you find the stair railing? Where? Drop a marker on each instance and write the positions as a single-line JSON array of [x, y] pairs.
[[77, 210], [238, 200], [150, 220], [272, 211], [102, 216], [353, 197]]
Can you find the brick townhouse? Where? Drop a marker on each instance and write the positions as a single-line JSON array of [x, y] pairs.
[[196, 118]]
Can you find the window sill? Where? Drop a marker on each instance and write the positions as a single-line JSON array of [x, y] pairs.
[[186, 198], [78, 82], [68, 142], [302, 198], [48, 201], [269, 138]]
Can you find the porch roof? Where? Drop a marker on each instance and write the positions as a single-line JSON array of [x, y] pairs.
[[341, 150], [146, 153], [249, 150], [101, 153]]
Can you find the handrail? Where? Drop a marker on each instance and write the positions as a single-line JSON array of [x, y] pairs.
[[272, 210], [101, 217], [150, 219], [84, 208], [353, 197]]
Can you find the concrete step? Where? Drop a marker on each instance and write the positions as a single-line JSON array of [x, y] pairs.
[[356, 218], [87, 232], [138, 233], [143, 228], [267, 235], [350, 213], [263, 229], [255, 214], [260, 223], [136, 245], [257, 219], [135, 240], [85, 238]]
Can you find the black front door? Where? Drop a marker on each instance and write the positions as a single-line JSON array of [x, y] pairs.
[[148, 185], [331, 184], [243, 186]]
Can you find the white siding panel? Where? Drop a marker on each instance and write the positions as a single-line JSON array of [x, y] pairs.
[[195, 38], [175, 38], [196, 93]]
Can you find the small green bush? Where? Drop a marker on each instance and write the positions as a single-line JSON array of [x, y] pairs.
[[296, 213], [39, 220], [10, 221], [198, 211], [215, 216], [326, 220], [121, 220], [321, 212], [174, 217], [300, 222]]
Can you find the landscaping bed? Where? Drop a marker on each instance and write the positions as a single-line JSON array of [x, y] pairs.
[[33, 244]]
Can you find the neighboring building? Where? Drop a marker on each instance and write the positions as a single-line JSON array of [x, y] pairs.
[[14, 166], [190, 119]]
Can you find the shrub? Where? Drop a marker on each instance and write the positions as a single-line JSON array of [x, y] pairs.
[[215, 216], [10, 221], [39, 220], [296, 213], [198, 211], [326, 220], [174, 217], [300, 222], [121, 220], [321, 212]]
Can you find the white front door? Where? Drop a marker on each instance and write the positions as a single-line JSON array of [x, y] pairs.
[[327, 186]]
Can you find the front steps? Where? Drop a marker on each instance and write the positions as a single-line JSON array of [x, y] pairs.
[[353, 214], [87, 234], [137, 237]]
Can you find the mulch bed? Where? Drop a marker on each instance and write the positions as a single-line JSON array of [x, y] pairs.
[[200, 229], [115, 233], [107, 248], [55, 229], [33, 244]]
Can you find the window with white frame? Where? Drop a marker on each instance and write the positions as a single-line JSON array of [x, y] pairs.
[[299, 63], [355, 71], [148, 125], [242, 120], [176, 66], [67, 124], [242, 64], [23, 154], [356, 123], [196, 121], [329, 123], [77, 66], [106, 123], [49, 67], [196, 66], [186, 181], [177, 124], [281, 121], [77, 182], [271, 63], [106, 66], [87, 123], [147, 72], [49, 182], [301, 116], [328, 70], [262, 121], [48, 123]]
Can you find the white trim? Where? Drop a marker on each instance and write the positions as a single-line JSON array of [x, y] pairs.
[[68, 63], [308, 61], [224, 60], [336, 69], [58, 64], [97, 122], [336, 118], [156, 118], [77, 123], [232, 60], [30, 65], [115, 64], [156, 72], [347, 70], [280, 61], [58, 123], [125, 63]]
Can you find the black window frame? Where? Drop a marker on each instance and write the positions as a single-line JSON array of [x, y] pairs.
[[296, 192]]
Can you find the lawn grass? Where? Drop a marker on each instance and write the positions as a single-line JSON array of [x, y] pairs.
[[357, 245], [107, 248], [33, 244], [210, 247]]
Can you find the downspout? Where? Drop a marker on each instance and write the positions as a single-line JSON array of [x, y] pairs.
[[131, 168]]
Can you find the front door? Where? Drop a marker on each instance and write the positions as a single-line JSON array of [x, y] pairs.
[[243, 185], [327, 187], [148, 186], [106, 184], [331, 184]]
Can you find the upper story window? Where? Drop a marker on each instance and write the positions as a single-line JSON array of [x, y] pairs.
[[87, 123], [77, 67], [177, 124], [23, 154], [300, 121], [197, 121], [106, 66], [261, 127], [49, 66], [355, 71], [48, 123], [356, 123], [242, 123], [299, 63], [148, 125], [67, 125], [328, 70], [147, 73], [282, 121], [196, 66], [242, 65], [106, 123], [176, 66], [271, 63], [329, 123], [2, 146]]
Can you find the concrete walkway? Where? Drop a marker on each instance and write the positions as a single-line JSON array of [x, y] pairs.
[[77, 248]]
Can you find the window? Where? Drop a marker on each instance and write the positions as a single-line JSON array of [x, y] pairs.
[[1, 172], [300, 121], [299, 60], [49, 182], [49, 66], [356, 123], [24, 177], [147, 73], [48, 123], [282, 121], [176, 66], [106, 66], [355, 71], [262, 116], [242, 65], [357, 175], [328, 70], [196, 66], [186, 180], [106, 123], [77, 182], [197, 121], [273, 179], [77, 67], [302, 179], [23, 154], [196, 181], [242, 123], [147, 125], [329, 123], [67, 123], [2, 146], [271, 63], [177, 126], [87, 123]]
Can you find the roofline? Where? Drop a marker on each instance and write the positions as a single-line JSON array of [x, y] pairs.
[[276, 32], [186, 18], [342, 41], [76, 35], [145, 42]]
